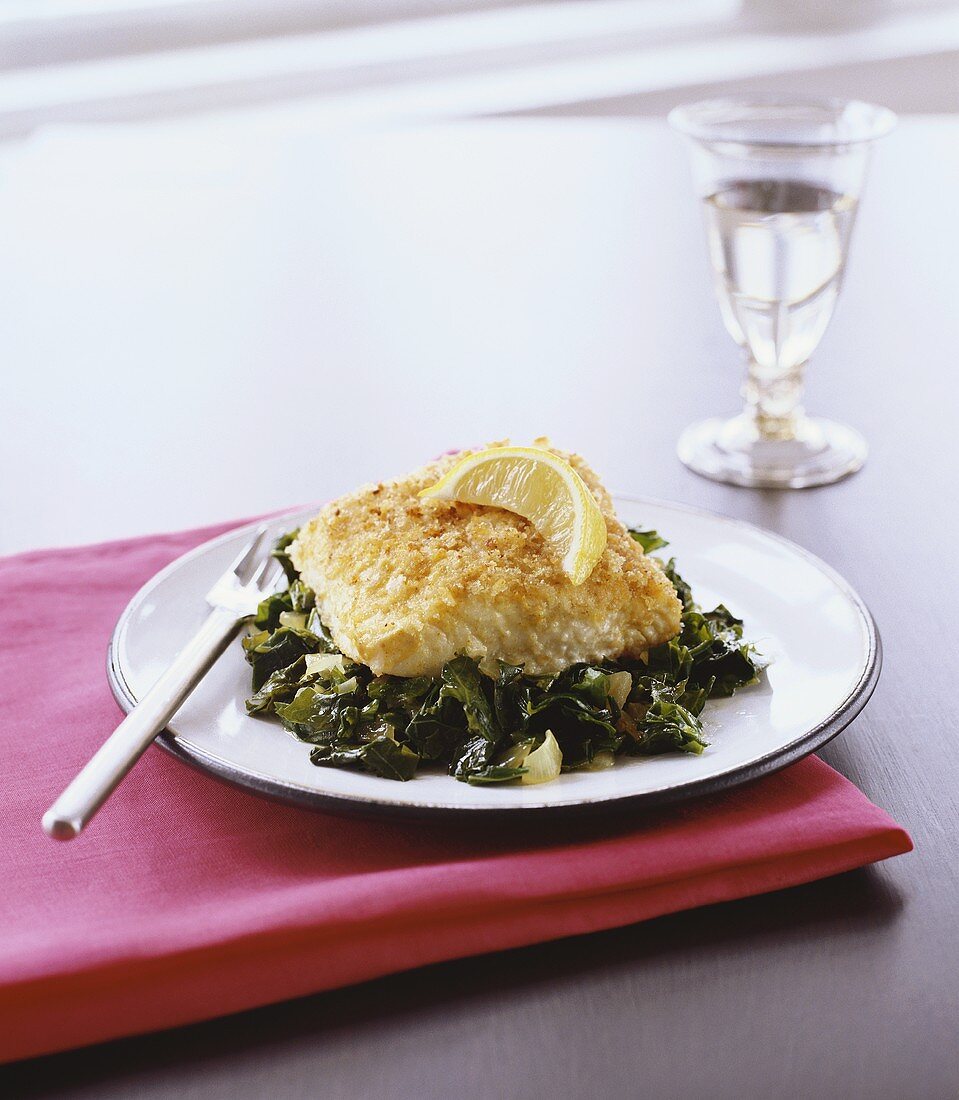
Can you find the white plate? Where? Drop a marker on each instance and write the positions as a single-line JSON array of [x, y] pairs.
[[819, 635]]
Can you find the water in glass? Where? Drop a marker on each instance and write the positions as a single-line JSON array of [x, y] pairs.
[[778, 249]]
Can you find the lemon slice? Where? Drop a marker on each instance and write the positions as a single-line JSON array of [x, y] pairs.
[[536, 484]]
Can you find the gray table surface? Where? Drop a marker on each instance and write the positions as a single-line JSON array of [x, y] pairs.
[[843, 988]]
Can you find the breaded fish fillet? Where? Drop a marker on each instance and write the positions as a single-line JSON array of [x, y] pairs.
[[404, 584]]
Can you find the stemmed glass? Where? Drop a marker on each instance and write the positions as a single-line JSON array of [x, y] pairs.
[[780, 183]]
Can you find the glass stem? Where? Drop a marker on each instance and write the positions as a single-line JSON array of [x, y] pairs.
[[772, 399]]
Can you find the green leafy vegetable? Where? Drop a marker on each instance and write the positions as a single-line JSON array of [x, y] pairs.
[[668, 726], [279, 552], [683, 591], [268, 652], [648, 540], [295, 599], [484, 727], [383, 757], [437, 728], [279, 687], [463, 682], [494, 773]]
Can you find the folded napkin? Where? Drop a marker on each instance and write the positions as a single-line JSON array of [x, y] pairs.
[[188, 899]]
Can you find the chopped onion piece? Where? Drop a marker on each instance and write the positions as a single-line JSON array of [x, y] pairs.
[[545, 763], [620, 685], [601, 760], [296, 619], [324, 662]]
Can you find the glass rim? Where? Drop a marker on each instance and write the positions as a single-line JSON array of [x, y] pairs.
[[786, 122]]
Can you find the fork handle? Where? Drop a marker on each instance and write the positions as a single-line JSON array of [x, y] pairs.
[[129, 741]]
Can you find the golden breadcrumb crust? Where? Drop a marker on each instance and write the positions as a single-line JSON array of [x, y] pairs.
[[403, 584]]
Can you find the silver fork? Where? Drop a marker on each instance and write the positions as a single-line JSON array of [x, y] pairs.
[[234, 597]]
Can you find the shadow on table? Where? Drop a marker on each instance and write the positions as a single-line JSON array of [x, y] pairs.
[[853, 904]]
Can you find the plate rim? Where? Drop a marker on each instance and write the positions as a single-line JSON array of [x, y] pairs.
[[364, 806]]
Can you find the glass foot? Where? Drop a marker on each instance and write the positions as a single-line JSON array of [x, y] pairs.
[[819, 452]]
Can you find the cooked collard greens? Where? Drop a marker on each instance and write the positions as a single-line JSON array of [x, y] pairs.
[[488, 725]]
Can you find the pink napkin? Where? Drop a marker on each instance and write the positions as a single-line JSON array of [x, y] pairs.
[[188, 899]]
